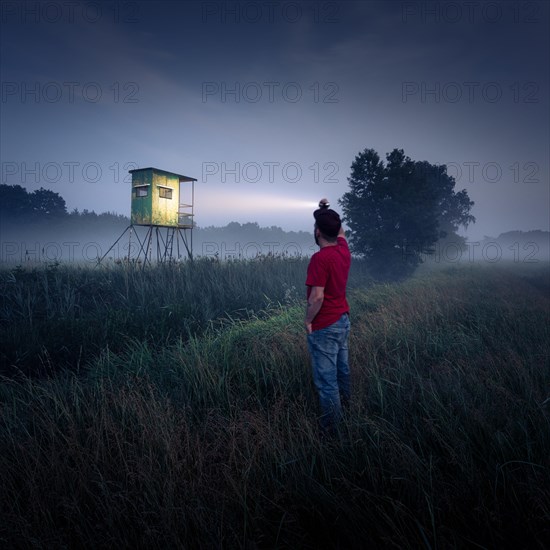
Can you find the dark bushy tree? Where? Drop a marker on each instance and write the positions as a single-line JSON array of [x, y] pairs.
[[48, 204], [398, 210], [16, 204]]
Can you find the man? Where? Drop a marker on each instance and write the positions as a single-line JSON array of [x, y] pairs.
[[327, 315]]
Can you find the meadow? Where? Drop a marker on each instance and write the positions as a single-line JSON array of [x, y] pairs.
[[174, 407]]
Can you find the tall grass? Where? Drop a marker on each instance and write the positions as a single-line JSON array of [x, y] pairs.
[[60, 315], [210, 441]]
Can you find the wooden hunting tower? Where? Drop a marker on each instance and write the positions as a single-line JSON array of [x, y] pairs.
[[163, 202], [157, 198]]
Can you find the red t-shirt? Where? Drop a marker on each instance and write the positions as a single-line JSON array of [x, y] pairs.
[[329, 268]]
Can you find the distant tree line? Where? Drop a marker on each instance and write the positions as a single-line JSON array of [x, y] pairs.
[[42, 215], [17, 205], [396, 212]]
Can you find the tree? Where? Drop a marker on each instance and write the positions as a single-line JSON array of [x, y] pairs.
[[14, 202], [398, 210], [47, 204]]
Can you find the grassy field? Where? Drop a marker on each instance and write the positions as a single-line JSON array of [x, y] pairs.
[[175, 408], [58, 316]]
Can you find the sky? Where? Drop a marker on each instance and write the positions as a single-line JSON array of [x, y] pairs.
[[267, 103]]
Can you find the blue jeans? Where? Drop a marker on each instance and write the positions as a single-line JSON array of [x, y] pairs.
[[328, 348]]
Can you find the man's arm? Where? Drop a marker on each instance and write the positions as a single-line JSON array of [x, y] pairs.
[[342, 233], [314, 303]]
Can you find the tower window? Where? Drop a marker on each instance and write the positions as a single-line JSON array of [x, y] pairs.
[[165, 193]]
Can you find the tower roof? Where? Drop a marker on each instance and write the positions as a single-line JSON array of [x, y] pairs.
[[180, 176]]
